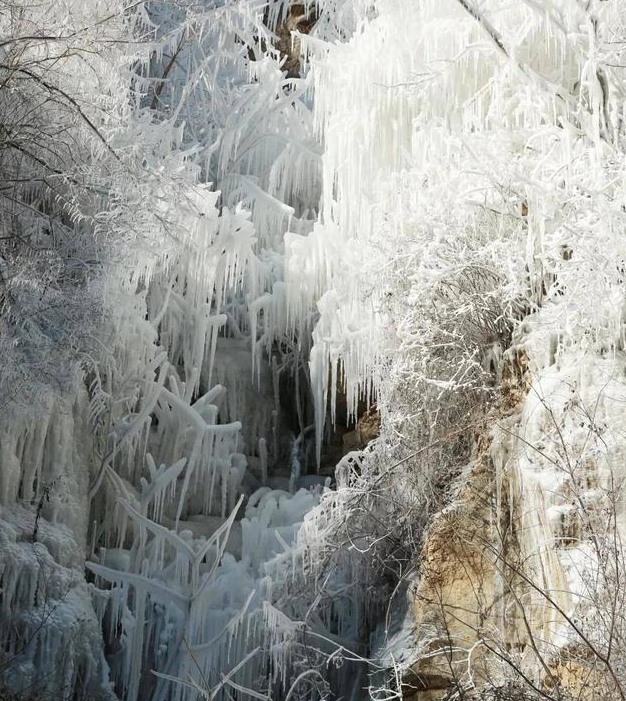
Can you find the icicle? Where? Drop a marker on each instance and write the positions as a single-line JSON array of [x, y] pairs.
[[262, 448]]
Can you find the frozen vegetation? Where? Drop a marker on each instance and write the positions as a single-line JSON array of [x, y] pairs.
[[295, 297]]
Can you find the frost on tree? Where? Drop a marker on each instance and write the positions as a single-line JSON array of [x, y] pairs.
[[211, 246]]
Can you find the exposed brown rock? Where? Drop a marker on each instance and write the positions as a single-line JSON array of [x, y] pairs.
[[366, 430], [455, 596], [515, 379], [465, 594], [299, 20]]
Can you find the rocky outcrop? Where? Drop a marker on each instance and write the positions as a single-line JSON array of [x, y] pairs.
[[367, 429], [505, 593], [299, 20]]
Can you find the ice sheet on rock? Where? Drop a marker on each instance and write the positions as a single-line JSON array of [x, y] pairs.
[[48, 627]]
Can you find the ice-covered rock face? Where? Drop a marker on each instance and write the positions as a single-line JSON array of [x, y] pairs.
[[51, 636], [521, 568], [567, 472], [46, 459]]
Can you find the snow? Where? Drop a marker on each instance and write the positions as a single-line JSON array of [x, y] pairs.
[[53, 632], [437, 186]]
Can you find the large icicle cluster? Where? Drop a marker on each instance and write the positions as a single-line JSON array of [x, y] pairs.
[[440, 186], [149, 468], [472, 202]]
